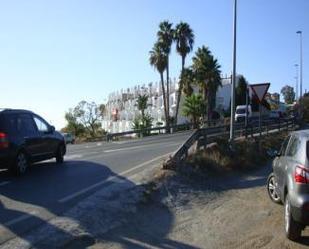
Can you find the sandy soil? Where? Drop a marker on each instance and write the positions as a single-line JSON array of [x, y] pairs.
[[199, 212]]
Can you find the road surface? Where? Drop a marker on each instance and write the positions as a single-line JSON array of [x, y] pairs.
[[49, 189]]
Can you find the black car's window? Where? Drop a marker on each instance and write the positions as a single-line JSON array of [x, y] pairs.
[[25, 125], [11, 123], [2, 122], [284, 145], [42, 126], [293, 147]]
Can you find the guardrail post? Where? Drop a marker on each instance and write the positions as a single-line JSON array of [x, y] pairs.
[[266, 129], [279, 125], [251, 131], [205, 138]]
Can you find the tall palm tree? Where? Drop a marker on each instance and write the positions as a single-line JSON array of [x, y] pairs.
[[207, 72], [165, 38], [158, 60], [184, 38], [187, 80]]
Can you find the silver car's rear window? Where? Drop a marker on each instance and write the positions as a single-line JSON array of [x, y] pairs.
[[307, 149]]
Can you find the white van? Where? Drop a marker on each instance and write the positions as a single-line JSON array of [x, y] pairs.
[[240, 113]]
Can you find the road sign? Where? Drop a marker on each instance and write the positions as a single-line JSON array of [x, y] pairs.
[[260, 90]]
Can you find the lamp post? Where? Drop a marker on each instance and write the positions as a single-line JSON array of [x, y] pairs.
[[296, 83], [233, 76], [300, 64]]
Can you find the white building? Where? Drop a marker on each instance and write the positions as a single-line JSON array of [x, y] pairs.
[[121, 107]]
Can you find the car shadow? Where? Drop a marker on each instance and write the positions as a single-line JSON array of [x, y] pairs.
[[28, 203]]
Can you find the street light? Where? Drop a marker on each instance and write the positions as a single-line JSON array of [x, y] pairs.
[[296, 83], [233, 75], [301, 64]]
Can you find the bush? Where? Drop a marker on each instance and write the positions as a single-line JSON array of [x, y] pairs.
[[245, 155]]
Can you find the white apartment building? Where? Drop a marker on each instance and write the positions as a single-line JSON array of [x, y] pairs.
[[121, 107]]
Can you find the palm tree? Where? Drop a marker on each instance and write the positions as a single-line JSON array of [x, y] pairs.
[[184, 38], [207, 73], [194, 107], [187, 80], [158, 60], [241, 91], [165, 39], [142, 104]]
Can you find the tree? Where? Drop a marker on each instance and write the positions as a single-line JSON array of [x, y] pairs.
[[194, 107], [187, 81], [207, 76], [184, 38], [158, 60], [305, 107], [165, 39], [102, 109], [73, 126], [145, 120], [241, 91], [142, 104], [88, 114], [142, 123], [288, 94]]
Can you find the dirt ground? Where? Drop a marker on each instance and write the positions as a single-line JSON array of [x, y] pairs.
[[199, 212]]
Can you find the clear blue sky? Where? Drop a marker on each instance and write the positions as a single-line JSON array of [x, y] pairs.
[[55, 53]]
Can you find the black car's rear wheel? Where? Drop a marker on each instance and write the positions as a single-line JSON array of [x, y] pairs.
[[271, 189], [60, 154], [292, 228], [21, 164]]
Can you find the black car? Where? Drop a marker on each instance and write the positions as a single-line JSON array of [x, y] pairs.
[[26, 138], [289, 182]]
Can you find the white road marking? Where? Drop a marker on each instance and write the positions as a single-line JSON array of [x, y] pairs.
[[20, 218], [73, 156], [138, 147], [109, 179], [4, 183]]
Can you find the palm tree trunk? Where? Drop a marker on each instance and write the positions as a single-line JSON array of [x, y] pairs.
[[179, 88], [208, 106], [168, 94], [206, 101], [164, 96]]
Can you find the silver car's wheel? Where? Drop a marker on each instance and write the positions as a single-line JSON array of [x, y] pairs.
[[271, 189]]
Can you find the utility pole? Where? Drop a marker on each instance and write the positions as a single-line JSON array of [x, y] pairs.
[[233, 76], [296, 83], [300, 64]]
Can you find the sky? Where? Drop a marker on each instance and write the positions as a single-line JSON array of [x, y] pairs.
[[55, 53]]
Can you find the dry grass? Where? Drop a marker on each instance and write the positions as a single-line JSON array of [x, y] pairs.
[[245, 154]]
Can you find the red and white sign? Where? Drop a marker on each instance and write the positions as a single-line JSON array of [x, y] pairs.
[[260, 90]]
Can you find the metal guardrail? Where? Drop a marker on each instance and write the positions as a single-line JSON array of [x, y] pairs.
[[149, 130], [204, 136]]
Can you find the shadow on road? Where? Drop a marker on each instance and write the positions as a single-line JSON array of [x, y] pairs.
[[47, 183]]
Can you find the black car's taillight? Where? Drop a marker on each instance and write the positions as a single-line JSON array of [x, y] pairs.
[[301, 174], [4, 143]]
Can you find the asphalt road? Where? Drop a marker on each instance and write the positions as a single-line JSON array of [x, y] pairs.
[[49, 189]]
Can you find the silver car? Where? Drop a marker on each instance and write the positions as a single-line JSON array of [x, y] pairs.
[[289, 182], [69, 138]]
